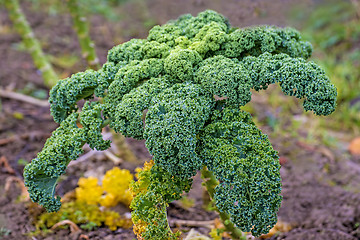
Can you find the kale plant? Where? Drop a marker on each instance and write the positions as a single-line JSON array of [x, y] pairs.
[[189, 79]]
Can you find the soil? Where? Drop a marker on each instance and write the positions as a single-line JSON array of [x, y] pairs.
[[320, 184]]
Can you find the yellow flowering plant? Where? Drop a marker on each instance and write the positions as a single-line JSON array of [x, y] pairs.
[[87, 209]]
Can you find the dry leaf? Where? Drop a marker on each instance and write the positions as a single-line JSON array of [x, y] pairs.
[[283, 160], [327, 153], [24, 192], [306, 146], [280, 226], [83, 237], [354, 147], [73, 226], [5, 164]]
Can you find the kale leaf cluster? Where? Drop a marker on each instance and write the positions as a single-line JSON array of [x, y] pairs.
[[182, 90]]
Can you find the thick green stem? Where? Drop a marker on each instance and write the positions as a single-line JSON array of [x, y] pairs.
[[82, 30], [31, 43], [123, 148], [210, 183]]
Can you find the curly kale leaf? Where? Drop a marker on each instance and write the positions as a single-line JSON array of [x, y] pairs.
[[181, 64], [187, 27], [127, 52], [154, 49], [174, 119], [92, 123], [128, 117], [210, 34], [210, 38], [225, 77], [247, 167], [41, 174], [153, 191], [127, 78], [257, 40], [191, 26], [296, 78], [67, 92], [65, 144]]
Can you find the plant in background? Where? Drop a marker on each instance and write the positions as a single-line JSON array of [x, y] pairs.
[[33, 46], [82, 29], [191, 77], [334, 29], [31, 43], [115, 183], [89, 196]]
